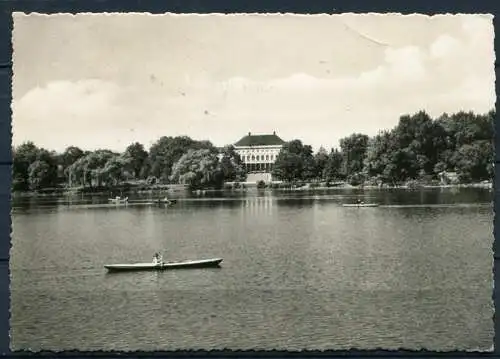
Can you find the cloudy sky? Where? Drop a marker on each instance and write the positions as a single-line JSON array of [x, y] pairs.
[[104, 81]]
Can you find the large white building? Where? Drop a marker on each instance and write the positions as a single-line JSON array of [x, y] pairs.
[[259, 153]]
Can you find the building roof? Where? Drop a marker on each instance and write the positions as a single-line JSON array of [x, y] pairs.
[[260, 140]]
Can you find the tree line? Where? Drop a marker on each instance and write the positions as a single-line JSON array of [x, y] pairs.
[[417, 148], [170, 160]]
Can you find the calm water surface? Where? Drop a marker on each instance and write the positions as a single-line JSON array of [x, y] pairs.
[[299, 271]]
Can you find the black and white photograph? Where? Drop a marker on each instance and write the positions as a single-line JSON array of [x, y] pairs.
[[252, 182]]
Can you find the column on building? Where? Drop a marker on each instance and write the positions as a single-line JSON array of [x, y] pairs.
[[256, 160]]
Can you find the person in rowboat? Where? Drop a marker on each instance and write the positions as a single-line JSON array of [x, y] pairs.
[[164, 200], [157, 258]]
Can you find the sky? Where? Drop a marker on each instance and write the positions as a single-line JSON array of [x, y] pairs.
[[107, 80]]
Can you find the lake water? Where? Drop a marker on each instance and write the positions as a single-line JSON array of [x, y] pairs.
[[299, 272]]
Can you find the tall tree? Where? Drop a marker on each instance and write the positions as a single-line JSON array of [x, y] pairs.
[[378, 161], [39, 175], [294, 162], [422, 139], [168, 150], [71, 155], [288, 166], [88, 170], [333, 168], [475, 161], [320, 162], [232, 166], [309, 165], [33, 167], [198, 169], [354, 149], [23, 156], [113, 171], [136, 156]]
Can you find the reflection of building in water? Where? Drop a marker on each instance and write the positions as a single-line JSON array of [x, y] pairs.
[[258, 205]]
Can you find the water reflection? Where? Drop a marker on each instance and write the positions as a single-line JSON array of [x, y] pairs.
[[381, 196], [298, 268]]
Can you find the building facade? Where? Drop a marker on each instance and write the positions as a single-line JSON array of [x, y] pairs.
[[259, 152]]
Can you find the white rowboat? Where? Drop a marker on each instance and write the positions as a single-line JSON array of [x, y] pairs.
[[118, 200], [163, 266]]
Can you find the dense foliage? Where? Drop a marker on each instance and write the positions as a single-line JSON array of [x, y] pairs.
[[170, 159], [419, 148], [198, 169]]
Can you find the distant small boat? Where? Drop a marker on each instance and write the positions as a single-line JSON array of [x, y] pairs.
[[118, 199], [360, 205], [163, 266], [167, 201]]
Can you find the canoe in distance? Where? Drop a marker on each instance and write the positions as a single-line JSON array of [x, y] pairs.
[[360, 205], [215, 262], [167, 202], [118, 200]]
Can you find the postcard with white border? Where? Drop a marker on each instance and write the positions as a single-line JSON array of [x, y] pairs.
[[252, 181]]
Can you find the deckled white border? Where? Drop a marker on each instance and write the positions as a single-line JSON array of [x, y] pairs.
[[489, 16], [278, 14]]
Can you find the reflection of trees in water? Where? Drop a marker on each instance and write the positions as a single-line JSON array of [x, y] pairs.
[[431, 196]]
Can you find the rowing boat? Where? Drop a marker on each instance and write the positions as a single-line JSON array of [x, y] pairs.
[[360, 205], [118, 200], [168, 202], [163, 266]]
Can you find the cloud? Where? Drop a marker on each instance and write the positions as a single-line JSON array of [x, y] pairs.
[[73, 112], [444, 46], [447, 76], [450, 74], [405, 64]]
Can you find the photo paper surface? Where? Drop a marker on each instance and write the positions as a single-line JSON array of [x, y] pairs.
[[252, 182]]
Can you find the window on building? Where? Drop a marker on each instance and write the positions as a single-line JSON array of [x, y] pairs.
[[253, 157], [267, 157]]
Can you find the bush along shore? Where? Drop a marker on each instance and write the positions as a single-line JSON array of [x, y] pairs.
[[311, 186], [117, 190], [451, 150]]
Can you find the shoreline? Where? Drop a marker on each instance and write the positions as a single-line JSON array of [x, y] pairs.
[[243, 187]]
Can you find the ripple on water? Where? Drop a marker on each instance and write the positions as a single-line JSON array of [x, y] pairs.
[[297, 273]]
